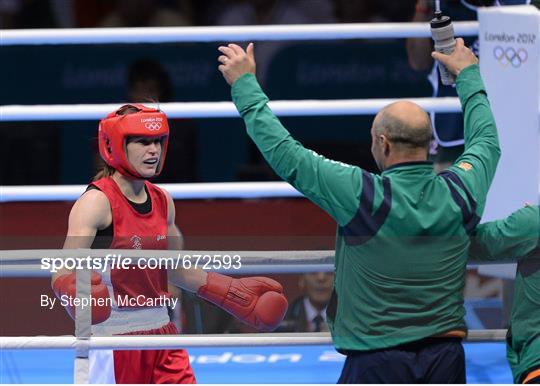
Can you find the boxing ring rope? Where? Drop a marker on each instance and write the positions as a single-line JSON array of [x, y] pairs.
[[27, 262], [188, 191], [209, 340], [284, 108], [33, 256], [24, 263], [226, 33]]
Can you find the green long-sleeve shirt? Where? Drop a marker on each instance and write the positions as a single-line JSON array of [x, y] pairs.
[[403, 236], [517, 238]]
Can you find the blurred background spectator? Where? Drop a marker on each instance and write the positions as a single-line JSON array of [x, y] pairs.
[[308, 312], [27, 14], [373, 11], [145, 13], [260, 12]]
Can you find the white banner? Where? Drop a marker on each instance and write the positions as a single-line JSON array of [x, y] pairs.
[[510, 65]]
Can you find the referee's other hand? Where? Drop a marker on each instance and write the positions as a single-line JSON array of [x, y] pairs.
[[236, 62], [459, 59]]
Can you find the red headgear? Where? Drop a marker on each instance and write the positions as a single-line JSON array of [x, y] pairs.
[[115, 129]]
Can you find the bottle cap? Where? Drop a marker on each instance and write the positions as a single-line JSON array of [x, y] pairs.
[[440, 22]]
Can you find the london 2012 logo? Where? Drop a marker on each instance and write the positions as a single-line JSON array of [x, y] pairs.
[[510, 56], [153, 126]]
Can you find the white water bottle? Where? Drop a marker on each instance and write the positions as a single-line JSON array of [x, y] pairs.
[[442, 32]]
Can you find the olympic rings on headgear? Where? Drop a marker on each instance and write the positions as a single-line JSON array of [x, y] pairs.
[[153, 126], [510, 56]]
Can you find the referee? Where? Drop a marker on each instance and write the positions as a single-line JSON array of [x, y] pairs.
[[402, 237]]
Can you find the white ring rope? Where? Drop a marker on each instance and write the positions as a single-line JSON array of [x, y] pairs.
[[166, 342], [226, 33], [178, 191], [188, 191], [35, 270], [180, 341], [285, 108], [31, 257], [27, 262], [34, 256]]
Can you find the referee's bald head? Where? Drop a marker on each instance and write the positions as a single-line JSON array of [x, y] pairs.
[[404, 123], [402, 130]]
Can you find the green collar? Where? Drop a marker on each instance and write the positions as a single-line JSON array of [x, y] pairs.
[[415, 166]]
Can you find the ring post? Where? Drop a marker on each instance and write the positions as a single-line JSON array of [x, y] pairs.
[[83, 324]]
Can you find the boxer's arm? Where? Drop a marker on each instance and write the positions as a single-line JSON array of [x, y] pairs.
[[508, 239], [174, 236], [188, 279], [175, 242], [89, 213]]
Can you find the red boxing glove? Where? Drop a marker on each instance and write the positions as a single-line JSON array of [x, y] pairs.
[[257, 301], [65, 285]]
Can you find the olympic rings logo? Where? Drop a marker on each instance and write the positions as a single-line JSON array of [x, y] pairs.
[[153, 126], [507, 56]]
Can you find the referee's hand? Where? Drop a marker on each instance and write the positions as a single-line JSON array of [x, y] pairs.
[[236, 62], [459, 59]]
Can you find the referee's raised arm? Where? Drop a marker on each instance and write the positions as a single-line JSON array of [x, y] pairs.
[[475, 168]]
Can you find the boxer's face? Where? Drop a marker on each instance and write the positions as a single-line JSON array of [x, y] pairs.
[[143, 154]]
